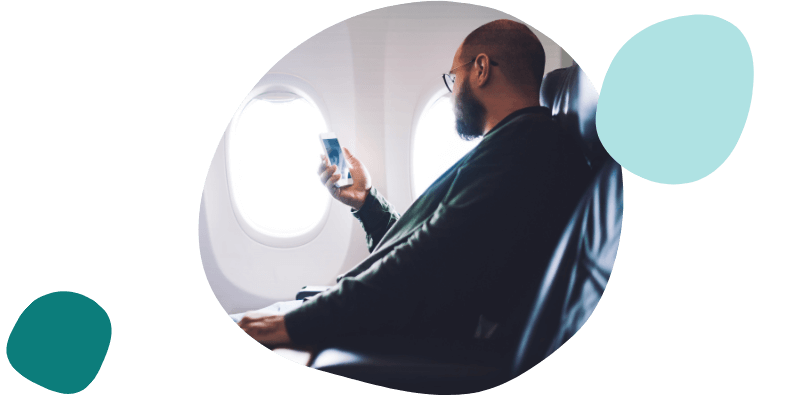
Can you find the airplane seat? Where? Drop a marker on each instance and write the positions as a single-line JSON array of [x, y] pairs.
[[556, 308], [582, 261]]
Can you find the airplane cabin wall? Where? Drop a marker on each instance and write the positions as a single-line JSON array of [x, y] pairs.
[[374, 74]]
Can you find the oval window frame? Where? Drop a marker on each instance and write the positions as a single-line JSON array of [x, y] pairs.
[[426, 100], [276, 83]]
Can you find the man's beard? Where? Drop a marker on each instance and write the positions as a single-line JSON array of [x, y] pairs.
[[470, 114]]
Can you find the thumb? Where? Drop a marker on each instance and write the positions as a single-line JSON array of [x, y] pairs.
[[350, 158]]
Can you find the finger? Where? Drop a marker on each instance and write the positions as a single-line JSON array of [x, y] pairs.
[[326, 174], [331, 182], [351, 160], [322, 167], [329, 177]]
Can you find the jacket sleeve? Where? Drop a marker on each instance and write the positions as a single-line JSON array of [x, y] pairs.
[[438, 264], [376, 217]]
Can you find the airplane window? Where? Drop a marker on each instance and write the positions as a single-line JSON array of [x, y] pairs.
[[274, 154], [436, 146]]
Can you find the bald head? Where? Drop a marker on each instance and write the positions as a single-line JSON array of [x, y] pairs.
[[513, 46]]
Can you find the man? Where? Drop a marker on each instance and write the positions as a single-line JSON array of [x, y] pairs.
[[477, 241]]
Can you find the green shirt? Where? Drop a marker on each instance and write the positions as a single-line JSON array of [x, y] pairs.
[[473, 244]]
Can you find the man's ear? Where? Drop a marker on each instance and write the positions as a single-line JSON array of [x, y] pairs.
[[483, 70]]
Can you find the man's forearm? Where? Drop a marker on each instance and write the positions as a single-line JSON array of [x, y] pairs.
[[376, 216]]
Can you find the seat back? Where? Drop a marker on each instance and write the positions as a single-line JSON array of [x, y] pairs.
[[580, 266]]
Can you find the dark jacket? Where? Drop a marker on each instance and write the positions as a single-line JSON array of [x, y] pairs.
[[475, 243]]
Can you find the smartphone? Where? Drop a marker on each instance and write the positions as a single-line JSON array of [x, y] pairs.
[[336, 157]]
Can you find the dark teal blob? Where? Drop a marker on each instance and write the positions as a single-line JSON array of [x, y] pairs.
[[60, 341]]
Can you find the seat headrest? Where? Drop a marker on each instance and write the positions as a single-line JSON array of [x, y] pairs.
[[573, 101]]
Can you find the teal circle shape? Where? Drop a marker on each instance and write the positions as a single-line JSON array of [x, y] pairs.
[[60, 341], [676, 97]]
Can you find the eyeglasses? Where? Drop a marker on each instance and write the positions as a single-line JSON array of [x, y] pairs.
[[450, 78]]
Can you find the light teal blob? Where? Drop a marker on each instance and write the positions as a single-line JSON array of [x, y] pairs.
[[675, 99], [60, 341]]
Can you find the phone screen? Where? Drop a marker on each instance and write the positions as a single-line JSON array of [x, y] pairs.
[[336, 157]]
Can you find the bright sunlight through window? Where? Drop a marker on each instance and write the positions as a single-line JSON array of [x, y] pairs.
[[274, 154], [437, 146]]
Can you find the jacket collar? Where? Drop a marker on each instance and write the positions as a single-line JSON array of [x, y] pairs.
[[509, 117]]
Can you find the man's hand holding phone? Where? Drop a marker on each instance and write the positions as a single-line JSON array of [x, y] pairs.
[[353, 195]]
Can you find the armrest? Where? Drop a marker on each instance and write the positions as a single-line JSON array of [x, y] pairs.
[[308, 291], [302, 356], [415, 367], [421, 366]]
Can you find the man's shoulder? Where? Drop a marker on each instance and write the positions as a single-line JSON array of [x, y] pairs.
[[529, 126], [521, 138]]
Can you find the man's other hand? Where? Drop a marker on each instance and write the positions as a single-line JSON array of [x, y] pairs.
[[270, 330]]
